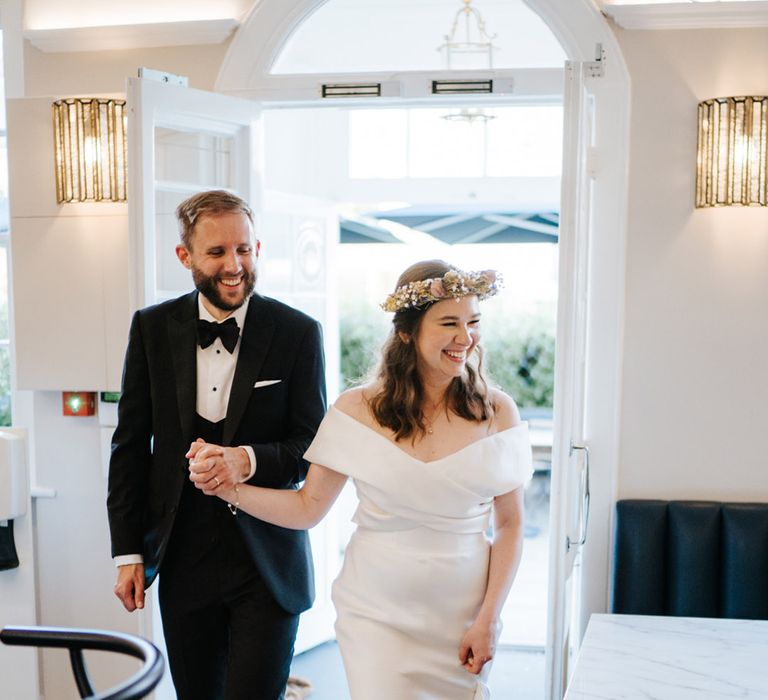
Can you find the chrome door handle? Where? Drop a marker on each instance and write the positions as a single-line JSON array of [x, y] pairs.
[[584, 501]]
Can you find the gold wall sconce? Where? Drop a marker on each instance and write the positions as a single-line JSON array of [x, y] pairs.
[[90, 150], [731, 161]]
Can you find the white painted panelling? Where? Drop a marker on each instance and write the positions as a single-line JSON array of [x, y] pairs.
[[70, 268], [73, 274]]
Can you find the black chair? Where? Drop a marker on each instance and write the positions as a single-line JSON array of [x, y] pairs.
[[137, 686]]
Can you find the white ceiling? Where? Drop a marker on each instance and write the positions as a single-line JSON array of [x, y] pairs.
[[55, 14], [49, 24]]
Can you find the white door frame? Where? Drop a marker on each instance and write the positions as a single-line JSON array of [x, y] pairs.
[[581, 29]]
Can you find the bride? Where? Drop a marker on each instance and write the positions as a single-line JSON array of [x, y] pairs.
[[436, 457]]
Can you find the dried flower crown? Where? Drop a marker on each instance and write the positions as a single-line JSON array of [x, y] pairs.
[[453, 284]]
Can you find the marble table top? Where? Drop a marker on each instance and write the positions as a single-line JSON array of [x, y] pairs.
[[629, 657]]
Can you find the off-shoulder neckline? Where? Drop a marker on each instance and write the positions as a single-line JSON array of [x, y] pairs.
[[522, 424]]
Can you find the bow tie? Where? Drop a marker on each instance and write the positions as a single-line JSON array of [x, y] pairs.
[[228, 331]]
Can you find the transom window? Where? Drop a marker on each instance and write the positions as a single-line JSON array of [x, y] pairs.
[[345, 36]]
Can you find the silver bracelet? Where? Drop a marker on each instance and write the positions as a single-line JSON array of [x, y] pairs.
[[233, 508]]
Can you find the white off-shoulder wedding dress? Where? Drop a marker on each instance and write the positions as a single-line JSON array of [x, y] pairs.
[[416, 568]]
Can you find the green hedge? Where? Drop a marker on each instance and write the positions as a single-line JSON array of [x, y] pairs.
[[522, 363]]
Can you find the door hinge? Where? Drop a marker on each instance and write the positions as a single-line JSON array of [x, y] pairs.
[[595, 69], [162, 76]]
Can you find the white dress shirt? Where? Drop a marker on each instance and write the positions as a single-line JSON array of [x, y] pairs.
[[215, 372]]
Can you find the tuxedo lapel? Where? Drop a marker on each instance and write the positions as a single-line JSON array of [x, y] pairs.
[[258, 329], [182, 335]]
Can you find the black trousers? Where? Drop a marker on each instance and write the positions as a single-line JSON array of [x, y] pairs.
[[226, 636]]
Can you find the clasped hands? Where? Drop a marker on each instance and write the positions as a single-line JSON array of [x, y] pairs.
[[214, 469]]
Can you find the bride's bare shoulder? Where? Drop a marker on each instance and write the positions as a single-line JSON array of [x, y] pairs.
[[507, 413], [355, 402]]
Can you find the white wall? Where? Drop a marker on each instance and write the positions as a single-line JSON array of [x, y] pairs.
[[695, 374], [87, 73], [69, 265]]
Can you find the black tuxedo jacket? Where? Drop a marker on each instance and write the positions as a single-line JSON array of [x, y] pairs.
[[156, 419]]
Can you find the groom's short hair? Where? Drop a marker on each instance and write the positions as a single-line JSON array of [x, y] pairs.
[[211, 202]]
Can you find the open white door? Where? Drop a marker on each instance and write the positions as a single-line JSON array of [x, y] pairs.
[[570, 455], [181, 141], [184, 141]]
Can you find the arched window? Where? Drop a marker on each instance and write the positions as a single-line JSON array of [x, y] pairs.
[[350, 36]]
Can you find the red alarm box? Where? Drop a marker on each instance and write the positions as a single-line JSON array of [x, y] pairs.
[[79, 403]]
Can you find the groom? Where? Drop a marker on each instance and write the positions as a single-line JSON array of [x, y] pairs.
[[237, 379]]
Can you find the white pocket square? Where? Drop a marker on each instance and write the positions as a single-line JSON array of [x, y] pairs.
[[266, 382]]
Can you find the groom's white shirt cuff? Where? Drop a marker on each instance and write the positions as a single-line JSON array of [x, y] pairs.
[[126, 559], [252, 458]]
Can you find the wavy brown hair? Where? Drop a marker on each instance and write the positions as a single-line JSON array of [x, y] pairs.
[[397, 405]]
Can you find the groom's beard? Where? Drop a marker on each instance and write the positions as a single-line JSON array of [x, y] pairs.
[[209, 288]]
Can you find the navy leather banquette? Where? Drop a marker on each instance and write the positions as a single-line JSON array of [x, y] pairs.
[[691, 558]]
